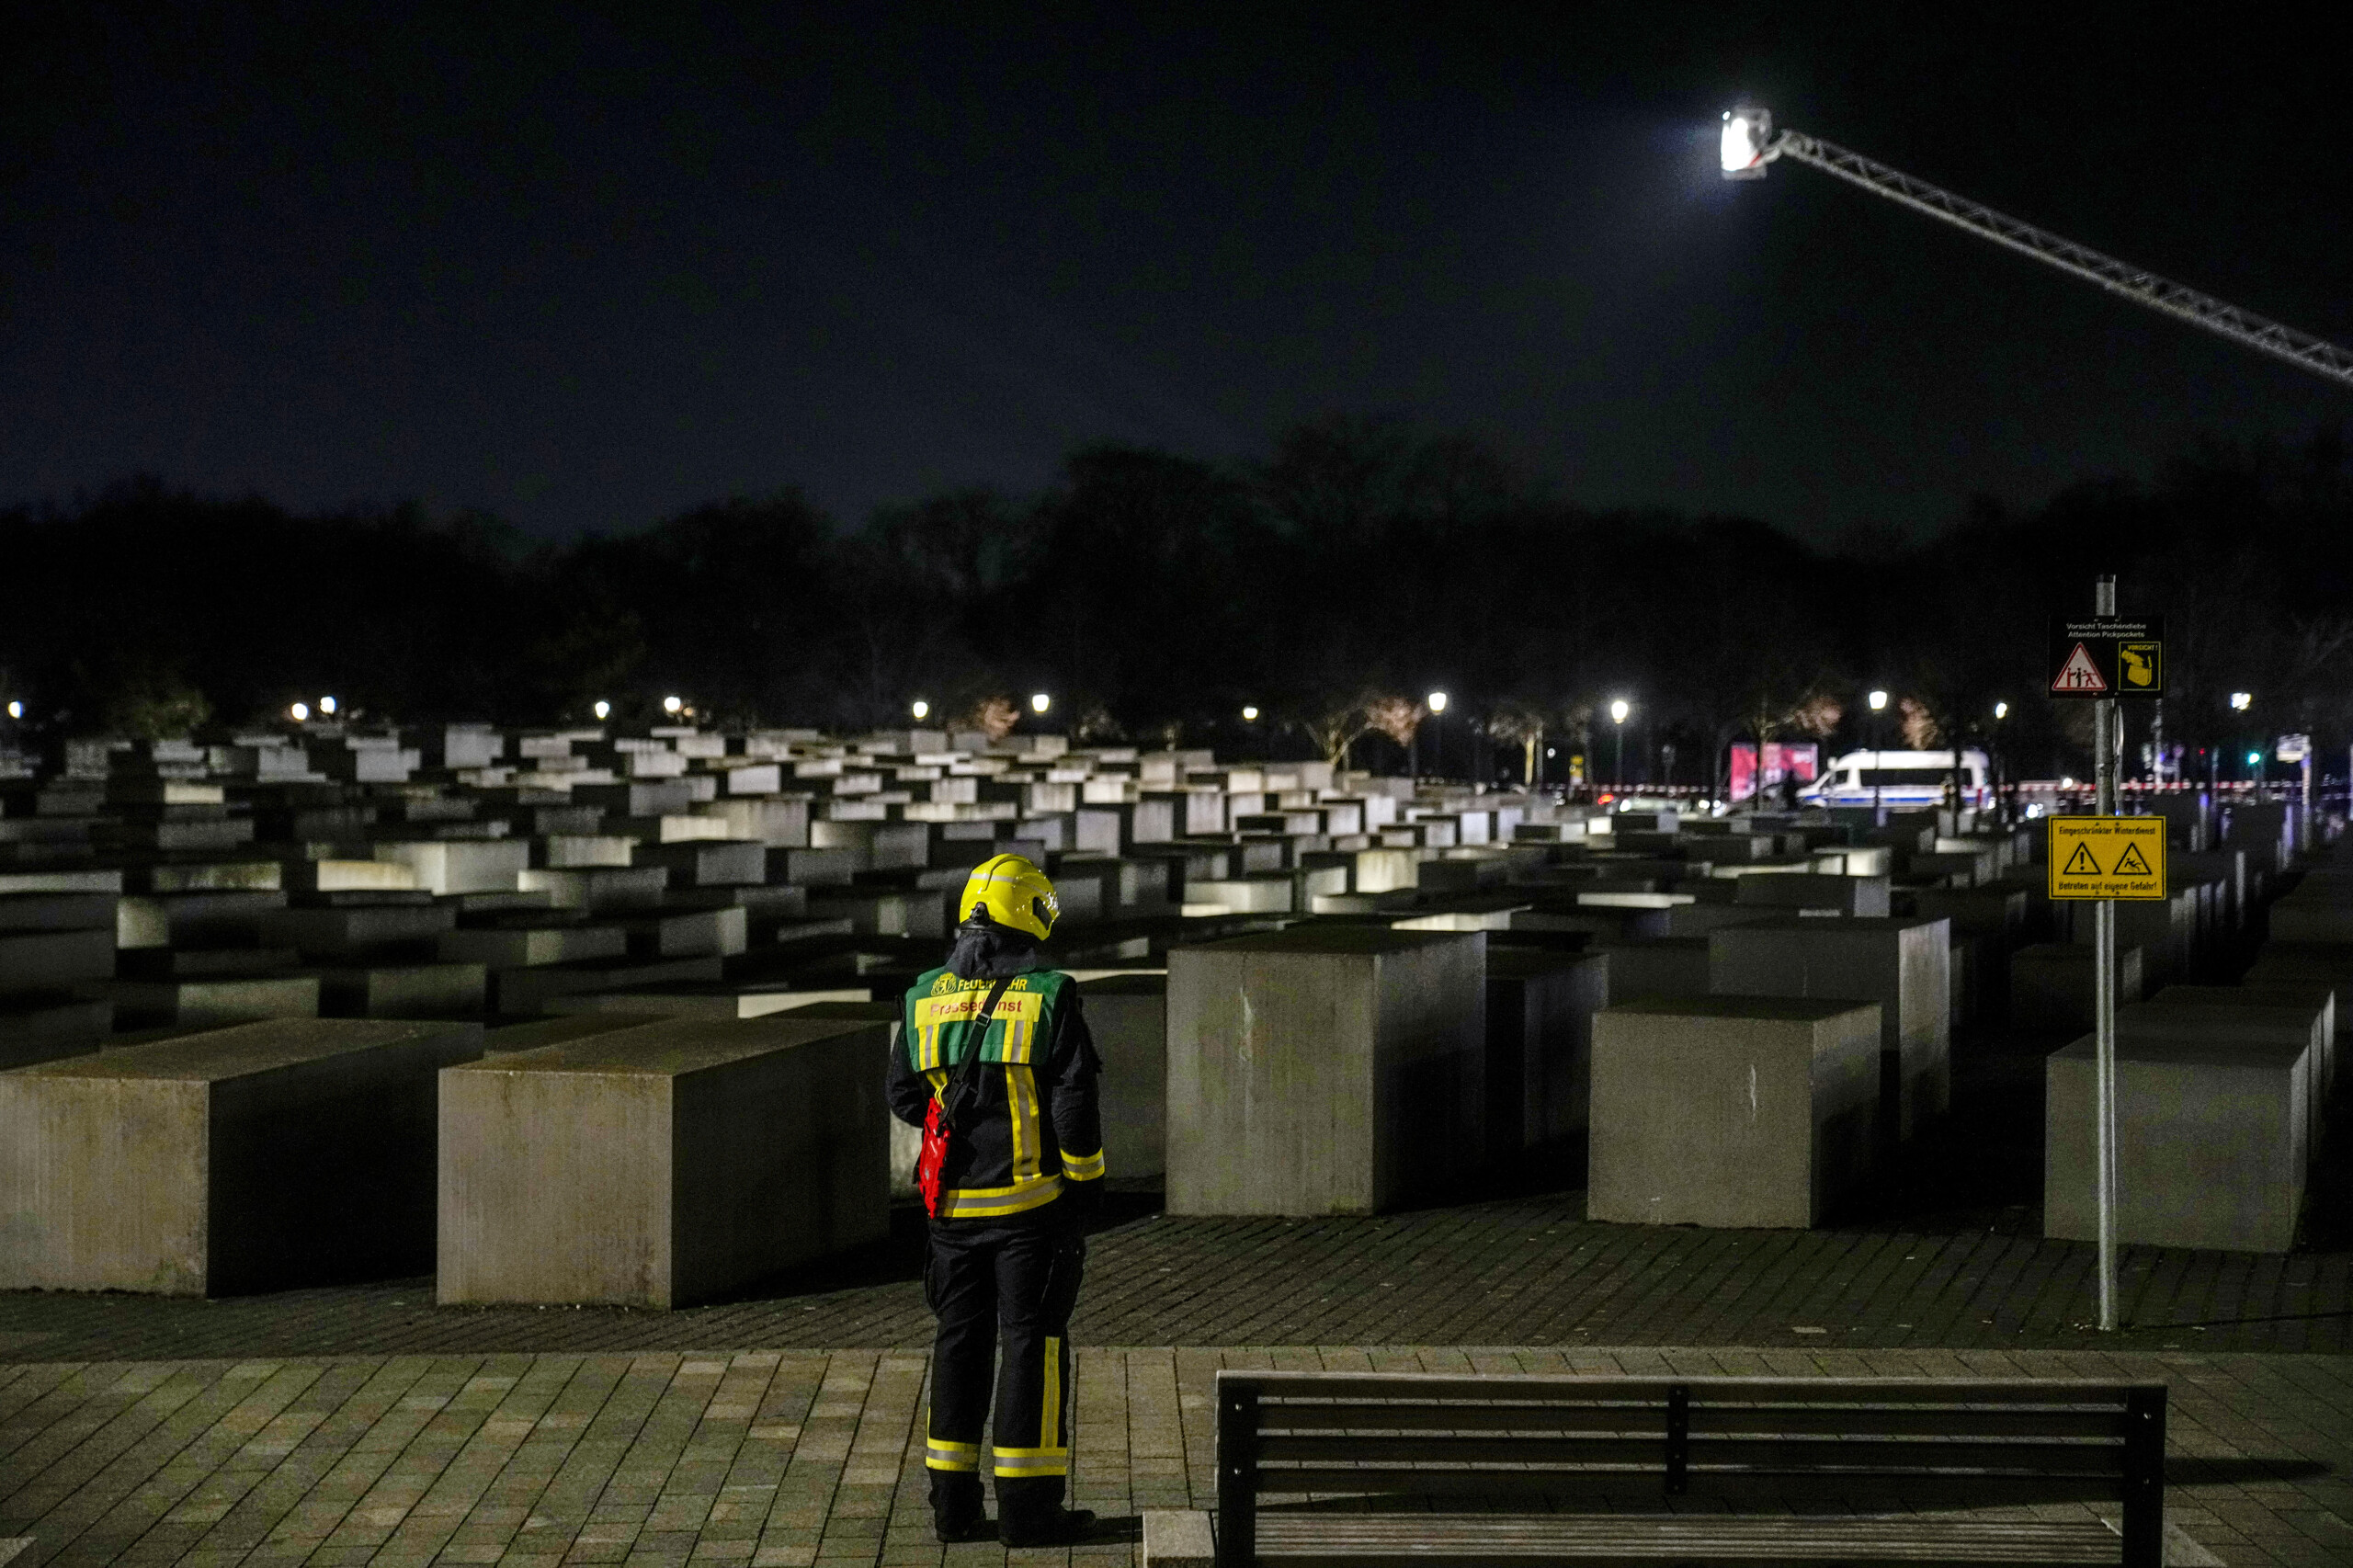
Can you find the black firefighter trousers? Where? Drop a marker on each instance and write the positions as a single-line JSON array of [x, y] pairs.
[[1015, 1278]]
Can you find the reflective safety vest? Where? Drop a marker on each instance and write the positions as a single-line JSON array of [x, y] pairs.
[[1037, 1124]]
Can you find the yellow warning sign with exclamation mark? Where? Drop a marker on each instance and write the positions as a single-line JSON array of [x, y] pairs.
[[2107, 857]]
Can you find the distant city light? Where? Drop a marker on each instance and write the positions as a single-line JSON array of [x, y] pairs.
[[2254, 758], [1039, 702], [1249, 715], [2001, 710], [672, 704], [2242, 700], [1618, 710], [16, 711], [920, 708], [326, 705], [1879, 701], [302, 711], [602, 709], [1438, 703]]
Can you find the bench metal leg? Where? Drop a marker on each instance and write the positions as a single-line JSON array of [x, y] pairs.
[[2144, 1478], [1237, 1476]]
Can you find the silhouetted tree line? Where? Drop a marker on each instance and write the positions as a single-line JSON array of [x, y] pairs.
[[1359, 565]]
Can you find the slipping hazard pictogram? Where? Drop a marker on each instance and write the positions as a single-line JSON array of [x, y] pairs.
[[2079, 673], [2132, 848]]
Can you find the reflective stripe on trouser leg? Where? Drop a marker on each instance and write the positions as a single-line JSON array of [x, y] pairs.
[[1038, 1281]]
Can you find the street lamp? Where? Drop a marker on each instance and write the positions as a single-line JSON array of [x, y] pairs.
[[2242, 700], [16, 709], [1619, 708], [602, 709], [1879, 763], [1039, 702], [1249, 715], [2001, 710], [1437, 701], [920, 708], [302, 712], [326, 706], [672, 704]]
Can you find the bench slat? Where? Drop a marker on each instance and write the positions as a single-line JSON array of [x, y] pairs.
[[1707, 1455], [1273, 1387], [1469, 1538], [1651, 1420]]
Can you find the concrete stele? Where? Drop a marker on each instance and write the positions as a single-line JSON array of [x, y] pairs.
[[260, 1156]]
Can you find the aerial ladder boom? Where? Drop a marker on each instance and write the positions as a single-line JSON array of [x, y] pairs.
[[1750, 142]]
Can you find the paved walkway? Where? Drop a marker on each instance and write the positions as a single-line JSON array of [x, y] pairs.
[[801, 1459], [1516, 1271]]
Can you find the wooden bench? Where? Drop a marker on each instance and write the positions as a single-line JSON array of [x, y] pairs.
[[1712, 1443]]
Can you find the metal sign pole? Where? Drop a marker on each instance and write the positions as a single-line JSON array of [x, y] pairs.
[[2104, 740]]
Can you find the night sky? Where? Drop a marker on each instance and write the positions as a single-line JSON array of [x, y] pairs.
[[586, 268]]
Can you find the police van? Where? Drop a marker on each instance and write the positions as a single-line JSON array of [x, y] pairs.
[[1899, 779]]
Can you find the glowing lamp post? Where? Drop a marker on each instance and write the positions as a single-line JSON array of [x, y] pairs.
[[1618, 712], [1038, 702], [603, 710], [1879, 764], [300, 712], [1250, 715]]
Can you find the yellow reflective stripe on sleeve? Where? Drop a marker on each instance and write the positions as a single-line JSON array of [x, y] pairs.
[[1082, 1167], [990, 1202], [1050, 1405]]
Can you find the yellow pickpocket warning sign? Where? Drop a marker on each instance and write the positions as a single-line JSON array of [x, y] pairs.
[[2107, 857]]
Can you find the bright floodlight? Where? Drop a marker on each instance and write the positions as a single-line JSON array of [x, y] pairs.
[[302, 711], [602, 709], [920, 708], [1438, 703], [1878, 702], [1747, 134], [1618, 710], [1249, 715], [1039, 702], [326, 705], [2001, 710], [672, 704], [2240, 699]]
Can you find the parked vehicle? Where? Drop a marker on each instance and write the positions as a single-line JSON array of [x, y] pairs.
[[1900, 779]]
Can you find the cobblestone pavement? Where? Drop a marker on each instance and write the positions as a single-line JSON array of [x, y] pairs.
[[1516, 1271], [808, 1459]]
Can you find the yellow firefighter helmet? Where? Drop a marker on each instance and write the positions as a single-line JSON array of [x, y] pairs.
[[1015, 893]]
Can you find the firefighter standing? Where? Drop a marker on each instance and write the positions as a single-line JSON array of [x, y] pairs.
[[995, 1064]]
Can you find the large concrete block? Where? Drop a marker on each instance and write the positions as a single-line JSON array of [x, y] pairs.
[[2051, 984], [1327, 1070], [664, 1165], [1539, 1045], [1730, 1110], [53, 960], [1906, 966], [907, 1142], [1865, 896], [1128, 1015], [259, 1158], [42, 1027], [2320, 1001], [2236, 1023], [226, 999], [463, 865], [1667, 967], [404, 991], [2209, 1150]]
